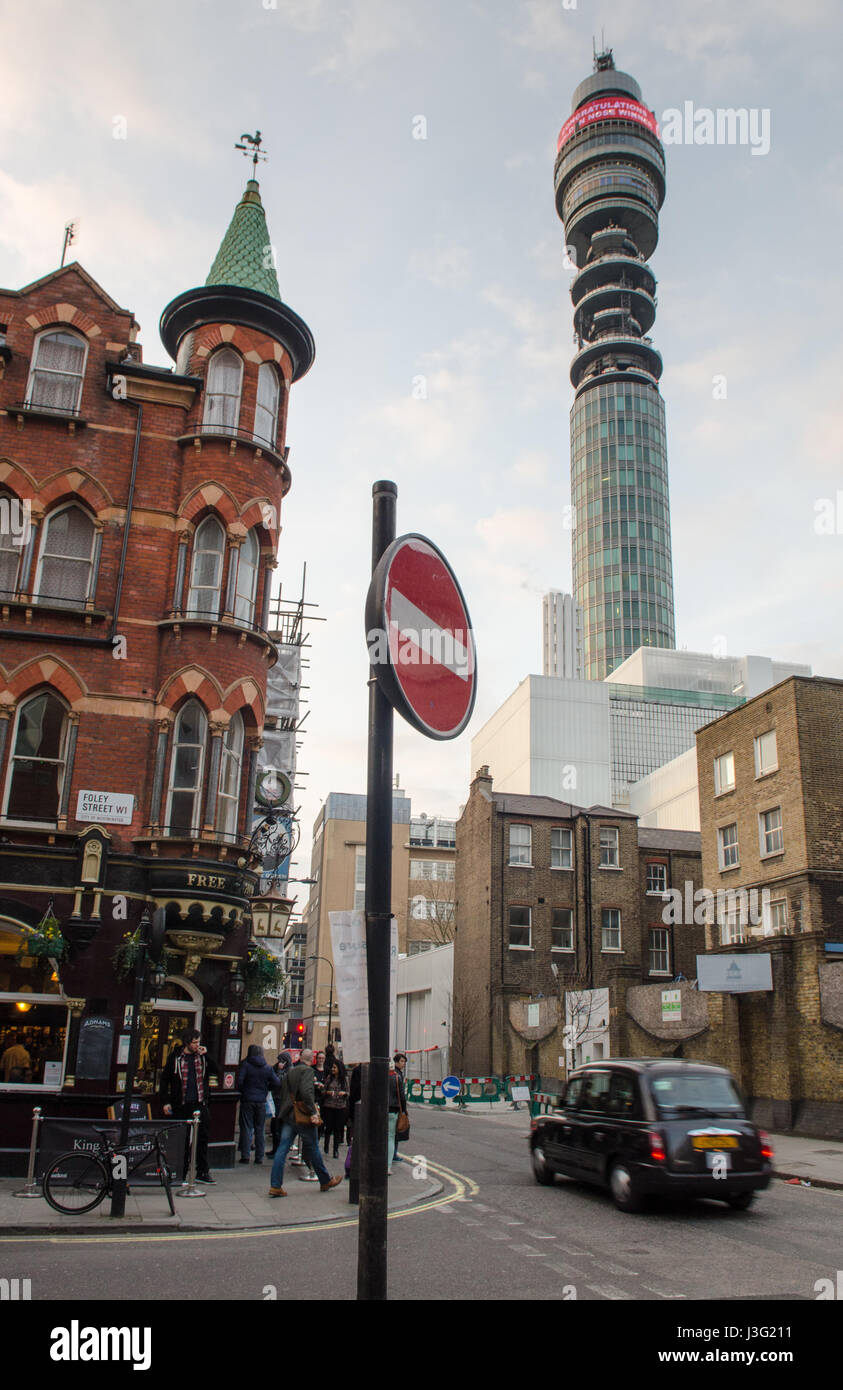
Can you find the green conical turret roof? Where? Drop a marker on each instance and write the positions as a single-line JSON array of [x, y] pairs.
[[245, 256]]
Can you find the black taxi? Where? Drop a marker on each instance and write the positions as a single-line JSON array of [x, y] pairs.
[[653, 1126]]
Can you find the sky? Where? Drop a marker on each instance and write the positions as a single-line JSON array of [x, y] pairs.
[[431, 273]]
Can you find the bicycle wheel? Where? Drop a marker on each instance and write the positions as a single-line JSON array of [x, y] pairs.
[[75, 1183]]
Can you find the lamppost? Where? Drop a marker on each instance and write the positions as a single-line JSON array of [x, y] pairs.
[[151, 931], [329, 963]]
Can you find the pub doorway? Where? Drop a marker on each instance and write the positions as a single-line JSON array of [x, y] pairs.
[[177, 1008]]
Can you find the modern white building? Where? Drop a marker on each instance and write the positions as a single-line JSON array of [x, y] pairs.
[[561, 636], [424, 1008], [591, 742]]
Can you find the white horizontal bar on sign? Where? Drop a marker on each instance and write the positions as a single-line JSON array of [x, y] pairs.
[[438, 644]]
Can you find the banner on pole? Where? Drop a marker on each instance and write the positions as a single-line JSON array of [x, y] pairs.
[[348, 942]]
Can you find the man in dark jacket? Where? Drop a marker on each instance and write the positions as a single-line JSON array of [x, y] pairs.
[[185, 1087], [255, 1080], [299, 1086]]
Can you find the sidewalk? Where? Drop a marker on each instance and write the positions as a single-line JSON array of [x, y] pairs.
[[237, 1201], [818, 1161]]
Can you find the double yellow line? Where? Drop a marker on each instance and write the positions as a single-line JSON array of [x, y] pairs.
[[461, 1187]]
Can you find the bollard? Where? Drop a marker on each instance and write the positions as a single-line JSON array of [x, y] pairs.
[[31, 1187], [189, 1188]]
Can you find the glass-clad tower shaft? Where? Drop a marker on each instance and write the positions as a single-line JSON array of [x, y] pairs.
[[610, 183]]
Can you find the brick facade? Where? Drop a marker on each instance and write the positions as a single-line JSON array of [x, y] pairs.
[[505, 977], [138, 462]]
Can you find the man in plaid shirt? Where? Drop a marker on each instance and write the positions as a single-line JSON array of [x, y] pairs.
[[185, 1088]]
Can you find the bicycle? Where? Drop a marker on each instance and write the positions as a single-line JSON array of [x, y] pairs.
[[77, 1182]]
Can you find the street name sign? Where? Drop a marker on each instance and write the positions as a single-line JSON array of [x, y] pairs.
[[421, 643]]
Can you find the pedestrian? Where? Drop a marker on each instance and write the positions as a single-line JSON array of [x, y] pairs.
[[16, 1061], [185, 1087], [255, 1080], [329, 1059], [335, 1105], [299, 1115], [400, 1060], [282, 1066], [397, 1104]]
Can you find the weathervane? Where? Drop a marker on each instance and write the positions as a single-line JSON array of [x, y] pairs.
[[252, 148]]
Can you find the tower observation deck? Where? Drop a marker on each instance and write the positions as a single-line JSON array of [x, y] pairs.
[[609, 179]]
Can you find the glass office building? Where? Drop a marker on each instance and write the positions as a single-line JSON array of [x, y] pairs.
[[610, 184]]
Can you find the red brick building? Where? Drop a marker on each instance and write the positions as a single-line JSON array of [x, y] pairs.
[[139, 522]]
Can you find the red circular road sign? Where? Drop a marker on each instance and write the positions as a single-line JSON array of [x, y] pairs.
[[421, 644]]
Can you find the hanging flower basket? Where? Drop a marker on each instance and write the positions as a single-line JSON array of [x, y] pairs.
[[125, 957], [264, 973], [45, 940]]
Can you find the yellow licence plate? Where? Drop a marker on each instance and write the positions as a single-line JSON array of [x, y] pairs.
[[715, 1141]]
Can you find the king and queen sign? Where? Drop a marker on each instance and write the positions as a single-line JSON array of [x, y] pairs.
[[57, 1137]]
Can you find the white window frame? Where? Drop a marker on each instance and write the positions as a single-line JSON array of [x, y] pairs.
[[654, 951], [432, 871], [721, 786], [770, 928], [722, 847], [764, 833], [562, 849], [267, 371], [191, 609], [359, 878], [758, 742], [245, 595], [526, 844], [57, 1001], [520, 946], [657, 892], [10, 760], [212, 396], [567, 950], [200, 773], [52, 599], [612, 849], [53, 332], [228, 803], [604, 929]]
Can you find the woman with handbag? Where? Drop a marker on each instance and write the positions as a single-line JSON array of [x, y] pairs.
[[300, 1115], [334, 1105]]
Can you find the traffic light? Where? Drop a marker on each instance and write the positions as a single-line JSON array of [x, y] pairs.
[[300, 1033]]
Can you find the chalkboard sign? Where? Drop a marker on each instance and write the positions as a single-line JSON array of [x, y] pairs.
[[93, 1052]]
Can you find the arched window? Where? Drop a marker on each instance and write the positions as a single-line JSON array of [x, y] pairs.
[[55, 376], [247, 579], [266, 409], [231, 767], [11, 549], [65, 564], [222, 391], [206, 572], [36, 766], [187, 765]]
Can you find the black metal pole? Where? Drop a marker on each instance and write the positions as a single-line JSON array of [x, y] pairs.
[[118, 1190], [371, 1250]]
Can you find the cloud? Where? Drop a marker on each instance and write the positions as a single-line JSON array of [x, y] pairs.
[[446, 267]]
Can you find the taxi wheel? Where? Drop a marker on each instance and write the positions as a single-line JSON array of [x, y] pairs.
[[541, 1172], [624, 1189], [740, 1201]]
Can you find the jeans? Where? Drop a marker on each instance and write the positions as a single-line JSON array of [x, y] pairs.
[[390, 1143], [309, 1152], [252, 1124]]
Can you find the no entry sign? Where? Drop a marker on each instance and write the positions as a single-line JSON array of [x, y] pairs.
[[421, 644]]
